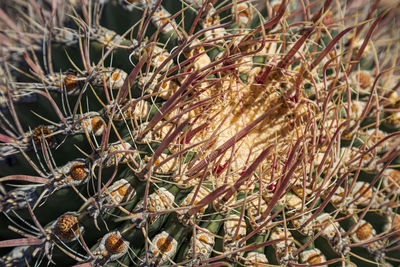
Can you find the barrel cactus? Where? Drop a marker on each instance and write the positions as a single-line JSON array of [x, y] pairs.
[[196, 132]]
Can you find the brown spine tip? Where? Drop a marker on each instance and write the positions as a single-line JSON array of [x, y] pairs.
[[97, 123], [365, 231], [40, 132], [114, 244], [123, 190], [164, 244], [315, 258], [115, 76], [67, 226], [70, 82], [79, 172]]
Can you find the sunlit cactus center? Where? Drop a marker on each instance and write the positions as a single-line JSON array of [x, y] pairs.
[[236, 104]]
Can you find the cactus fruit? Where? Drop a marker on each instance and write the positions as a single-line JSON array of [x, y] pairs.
[[188, 132]]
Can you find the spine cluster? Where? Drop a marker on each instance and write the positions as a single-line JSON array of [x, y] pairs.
[[189, 133]]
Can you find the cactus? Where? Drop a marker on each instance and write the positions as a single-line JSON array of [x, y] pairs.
[[157, 133]]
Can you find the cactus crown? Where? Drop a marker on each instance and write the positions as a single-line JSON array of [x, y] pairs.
[[153, 133]]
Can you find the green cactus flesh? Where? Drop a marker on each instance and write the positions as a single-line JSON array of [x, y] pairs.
[[187, 133]]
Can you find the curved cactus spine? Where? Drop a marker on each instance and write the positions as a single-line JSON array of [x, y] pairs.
[[39, 242], [199, 133]]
